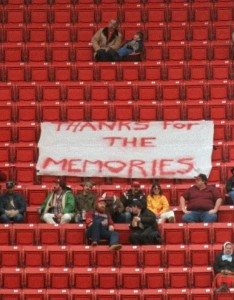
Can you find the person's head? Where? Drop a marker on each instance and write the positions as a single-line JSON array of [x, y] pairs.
[[138, 36], [201, 180], [112, 25], [136, 206], [135, 186], [59, 185], [10, 186], [87, 185], [228, 248], [109, 197], [156, 189], [100, 205]]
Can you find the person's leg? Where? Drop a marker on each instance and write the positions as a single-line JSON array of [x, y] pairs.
[[208, 218], [112, 55], [124, 51], [135, 238], [192, 217], [101, 55], [18, 218], [167, 216], [49, 218], [66, 218], [231, 194], [94, 231], [4, 219]]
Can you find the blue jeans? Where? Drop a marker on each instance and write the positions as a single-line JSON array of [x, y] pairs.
[[16, 219], [199, 216], [97, 231], [231, 194], [124, 51]]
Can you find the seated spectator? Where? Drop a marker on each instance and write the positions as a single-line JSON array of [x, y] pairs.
[[134, 46], [158, 204], [224, 268], [115, 208], [59, 205], [230, 186], [144, 229], [133, 194], [201, 202], [85, 200], [106, 41], [12, 205], [100, 226]]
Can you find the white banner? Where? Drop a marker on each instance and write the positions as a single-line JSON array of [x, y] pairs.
[[167, 149]]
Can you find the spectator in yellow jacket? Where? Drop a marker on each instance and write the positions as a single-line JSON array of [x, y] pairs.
[[158, 204]]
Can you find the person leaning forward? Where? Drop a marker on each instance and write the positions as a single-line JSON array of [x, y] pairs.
[[106, 41]]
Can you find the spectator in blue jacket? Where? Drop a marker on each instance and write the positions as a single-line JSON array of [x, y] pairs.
[[12, 205]]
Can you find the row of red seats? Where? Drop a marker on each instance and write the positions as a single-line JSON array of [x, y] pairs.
[[123, 294], [49, 111], [123, 71], [106, 278], [126, 91], [157, 256], [74, 234], [44, 33], [73, 52], [133, 13], [28, 153], [30, 132]]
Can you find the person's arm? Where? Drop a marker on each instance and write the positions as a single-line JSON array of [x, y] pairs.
[[165, 204], [183, 205], [95, 40], [22, 205], [118, 42], [70, 203], [217, 268], [216, 207]]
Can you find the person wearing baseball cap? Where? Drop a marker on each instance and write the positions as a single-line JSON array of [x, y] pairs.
[[201, 202], [12, 205], [85, 200], [230, 186], [101, 226]]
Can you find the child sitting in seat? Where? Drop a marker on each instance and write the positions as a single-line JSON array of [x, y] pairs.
[[133, 46]]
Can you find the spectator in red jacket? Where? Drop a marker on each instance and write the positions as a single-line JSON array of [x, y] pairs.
[[100, 226]]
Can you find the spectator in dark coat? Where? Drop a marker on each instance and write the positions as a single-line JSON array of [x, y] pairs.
[[12, 205], [144, 228], [230, 185]]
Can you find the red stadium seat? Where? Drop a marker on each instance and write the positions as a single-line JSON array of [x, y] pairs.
[[57, 256], [174, 233], [222, 232], [152, 256], [59, 278], [37, 33], [201, 293], [12, 278], [177, 294], [103, 257], [34, 256], [10, 256], [73, 234], [178, 277], [11, 294], [106, 294], [75, 112], [155, 278], [107, 278], [53, 294], [176, 255], [200, 255], [131, 278], [35, 278], [24, 234], [202, 277], [129, 256], [84, 294], [6, 234], [48, 234], [83, 278], [200, 233], [81, 256]]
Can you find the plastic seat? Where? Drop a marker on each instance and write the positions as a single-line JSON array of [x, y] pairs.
[[59, 278], [24, 234], [122, 92], [195, 91], [58, 293], [86, 294], [6, 234], [6, 111], [36, 194], [81, 256], [61, 72], [12, 278], [84, 33], [177, 294], [199, 233], [152, 256], [108, 294], [172, 111], [202, 277], [14, 72], [50, 92], [98, 111], [82, 52], [7, 92], [37, 33], [32, 216], [60, 52], [35, 278], [148, 110], [219, 90], [86, 14], [61, 15], [130, 278], [219, 110], [13, 52], [174, 233], [38, 15], [107, 71], [222, 31], [57, 256], [25, 173], [152, 71], [27, 92], [12, 293], [222, 232], [221, 70], [15, 15], [153, 294], [13, 33], [130, 71], [129, 29], [129, 256], [50, 111], [198, 70], [37, 53], [10, 256], [155, 278], [178, 13], [202, 13], [225, 214], [124, 111], [99, 92], [223, 11], [221, 132], [86, 72], [26, 112], [221, 50], [174, 71], [49, 234], [201, 293], [154, 52], [73, 234], [200, 31], [177, 31], [155, 13], [107, 12], [5, 153], [107, 278], [176, 51], [171, 91], [83, 278], [195, 110], [176, 255], [34, 256], [75, 112], [178, 277], [148, 91], [132, 13], [200, 255], [199, 51], [76, 92]]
